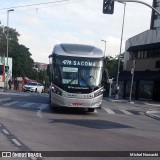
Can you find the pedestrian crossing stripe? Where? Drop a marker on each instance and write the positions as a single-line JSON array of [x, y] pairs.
[[7, 102], [10, 103], [126, 112], [42, 106], [121, 111], [27, 104], [5, 99], [109, 111]]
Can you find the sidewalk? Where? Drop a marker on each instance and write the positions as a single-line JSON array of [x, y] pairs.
[[152, 108]]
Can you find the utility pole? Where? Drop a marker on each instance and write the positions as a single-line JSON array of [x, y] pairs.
[[119, 56], [104, 47], [7, 36], [132, 79]]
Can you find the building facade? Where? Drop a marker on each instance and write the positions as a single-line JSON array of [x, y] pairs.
[[142, 52]]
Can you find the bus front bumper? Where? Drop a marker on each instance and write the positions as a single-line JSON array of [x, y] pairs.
[[58, 100]]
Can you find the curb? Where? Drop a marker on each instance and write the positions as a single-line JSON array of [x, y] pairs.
[[152, 114]]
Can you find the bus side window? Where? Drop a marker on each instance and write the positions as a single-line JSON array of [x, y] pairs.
[[56, 74]]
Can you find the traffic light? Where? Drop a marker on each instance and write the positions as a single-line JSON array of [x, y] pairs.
[[108, 6], [6, 68]]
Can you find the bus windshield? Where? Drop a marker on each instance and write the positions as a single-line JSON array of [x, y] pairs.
[[77, 74]]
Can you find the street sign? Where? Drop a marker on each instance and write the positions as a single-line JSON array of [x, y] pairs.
[[108, 6], [132, 70]]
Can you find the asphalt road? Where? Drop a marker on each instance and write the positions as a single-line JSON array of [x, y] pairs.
[[28, 124]]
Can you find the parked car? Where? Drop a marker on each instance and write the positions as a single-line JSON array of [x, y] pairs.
[[33, 87]]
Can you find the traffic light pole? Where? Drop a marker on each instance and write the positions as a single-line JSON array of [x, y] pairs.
[[117, 86], [119, 56], [138, 2]]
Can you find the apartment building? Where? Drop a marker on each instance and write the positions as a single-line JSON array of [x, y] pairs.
[[142, 52]]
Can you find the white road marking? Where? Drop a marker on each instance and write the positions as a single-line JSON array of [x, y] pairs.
[[126, 112], [5, 99], [109, 111], [39, 113], [27, 104], [150, 104], [16, 142], [11, 103], [5, 131], [43, 106], [95, 111]]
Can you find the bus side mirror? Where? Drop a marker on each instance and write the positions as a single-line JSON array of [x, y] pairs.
[[104, 90]]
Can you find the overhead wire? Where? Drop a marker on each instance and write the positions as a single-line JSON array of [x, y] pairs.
[[39, 4], [30, 5]]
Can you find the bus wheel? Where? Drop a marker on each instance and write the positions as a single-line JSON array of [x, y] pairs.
[[91, 109]]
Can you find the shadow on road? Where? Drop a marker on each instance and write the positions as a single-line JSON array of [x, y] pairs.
[[96, 124]]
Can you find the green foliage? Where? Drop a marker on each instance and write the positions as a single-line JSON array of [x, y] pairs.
[[112, 66], [23, 64]]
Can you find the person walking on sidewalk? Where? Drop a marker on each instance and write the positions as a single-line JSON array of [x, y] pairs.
[[15, 84], [9, 83]]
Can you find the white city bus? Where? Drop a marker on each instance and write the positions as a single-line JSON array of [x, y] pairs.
[[75, 73]]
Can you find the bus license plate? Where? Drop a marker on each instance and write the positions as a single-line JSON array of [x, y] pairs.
[[77, 104]]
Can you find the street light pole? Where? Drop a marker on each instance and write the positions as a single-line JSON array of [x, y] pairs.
[[7, 36], [104, 47], [118, 68], [123, 1], [132, 72]]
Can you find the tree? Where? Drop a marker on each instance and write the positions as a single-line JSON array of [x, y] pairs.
[[22, 61], [13, 36], [112, 66]]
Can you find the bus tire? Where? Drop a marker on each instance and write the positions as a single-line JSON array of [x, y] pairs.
[[91, 109]]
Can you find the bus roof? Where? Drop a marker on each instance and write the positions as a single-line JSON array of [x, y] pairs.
[[77, 50]]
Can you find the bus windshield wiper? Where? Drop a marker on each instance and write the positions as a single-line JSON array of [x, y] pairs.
[[71, 80]]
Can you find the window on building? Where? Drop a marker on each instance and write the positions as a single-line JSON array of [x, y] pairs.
[[139, 54], [145, 54], [145, 89], [158, 64], [130, 56]]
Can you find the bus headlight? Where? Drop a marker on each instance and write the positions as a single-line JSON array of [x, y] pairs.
[[98, 93], [57, 91]]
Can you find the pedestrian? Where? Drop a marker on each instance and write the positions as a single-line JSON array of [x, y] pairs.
[[15, 84], [9, 83]]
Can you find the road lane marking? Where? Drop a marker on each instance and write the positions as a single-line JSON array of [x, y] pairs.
[[109, 111], [11, 103], [39, 113], [16, 142], [126, 112], [150, 104], [27, 104], [5, 99], [43, 106], [5, 131]]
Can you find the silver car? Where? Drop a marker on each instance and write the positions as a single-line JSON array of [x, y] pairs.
[[33, 87]]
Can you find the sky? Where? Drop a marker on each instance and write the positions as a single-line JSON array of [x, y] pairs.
[[73, 21]]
